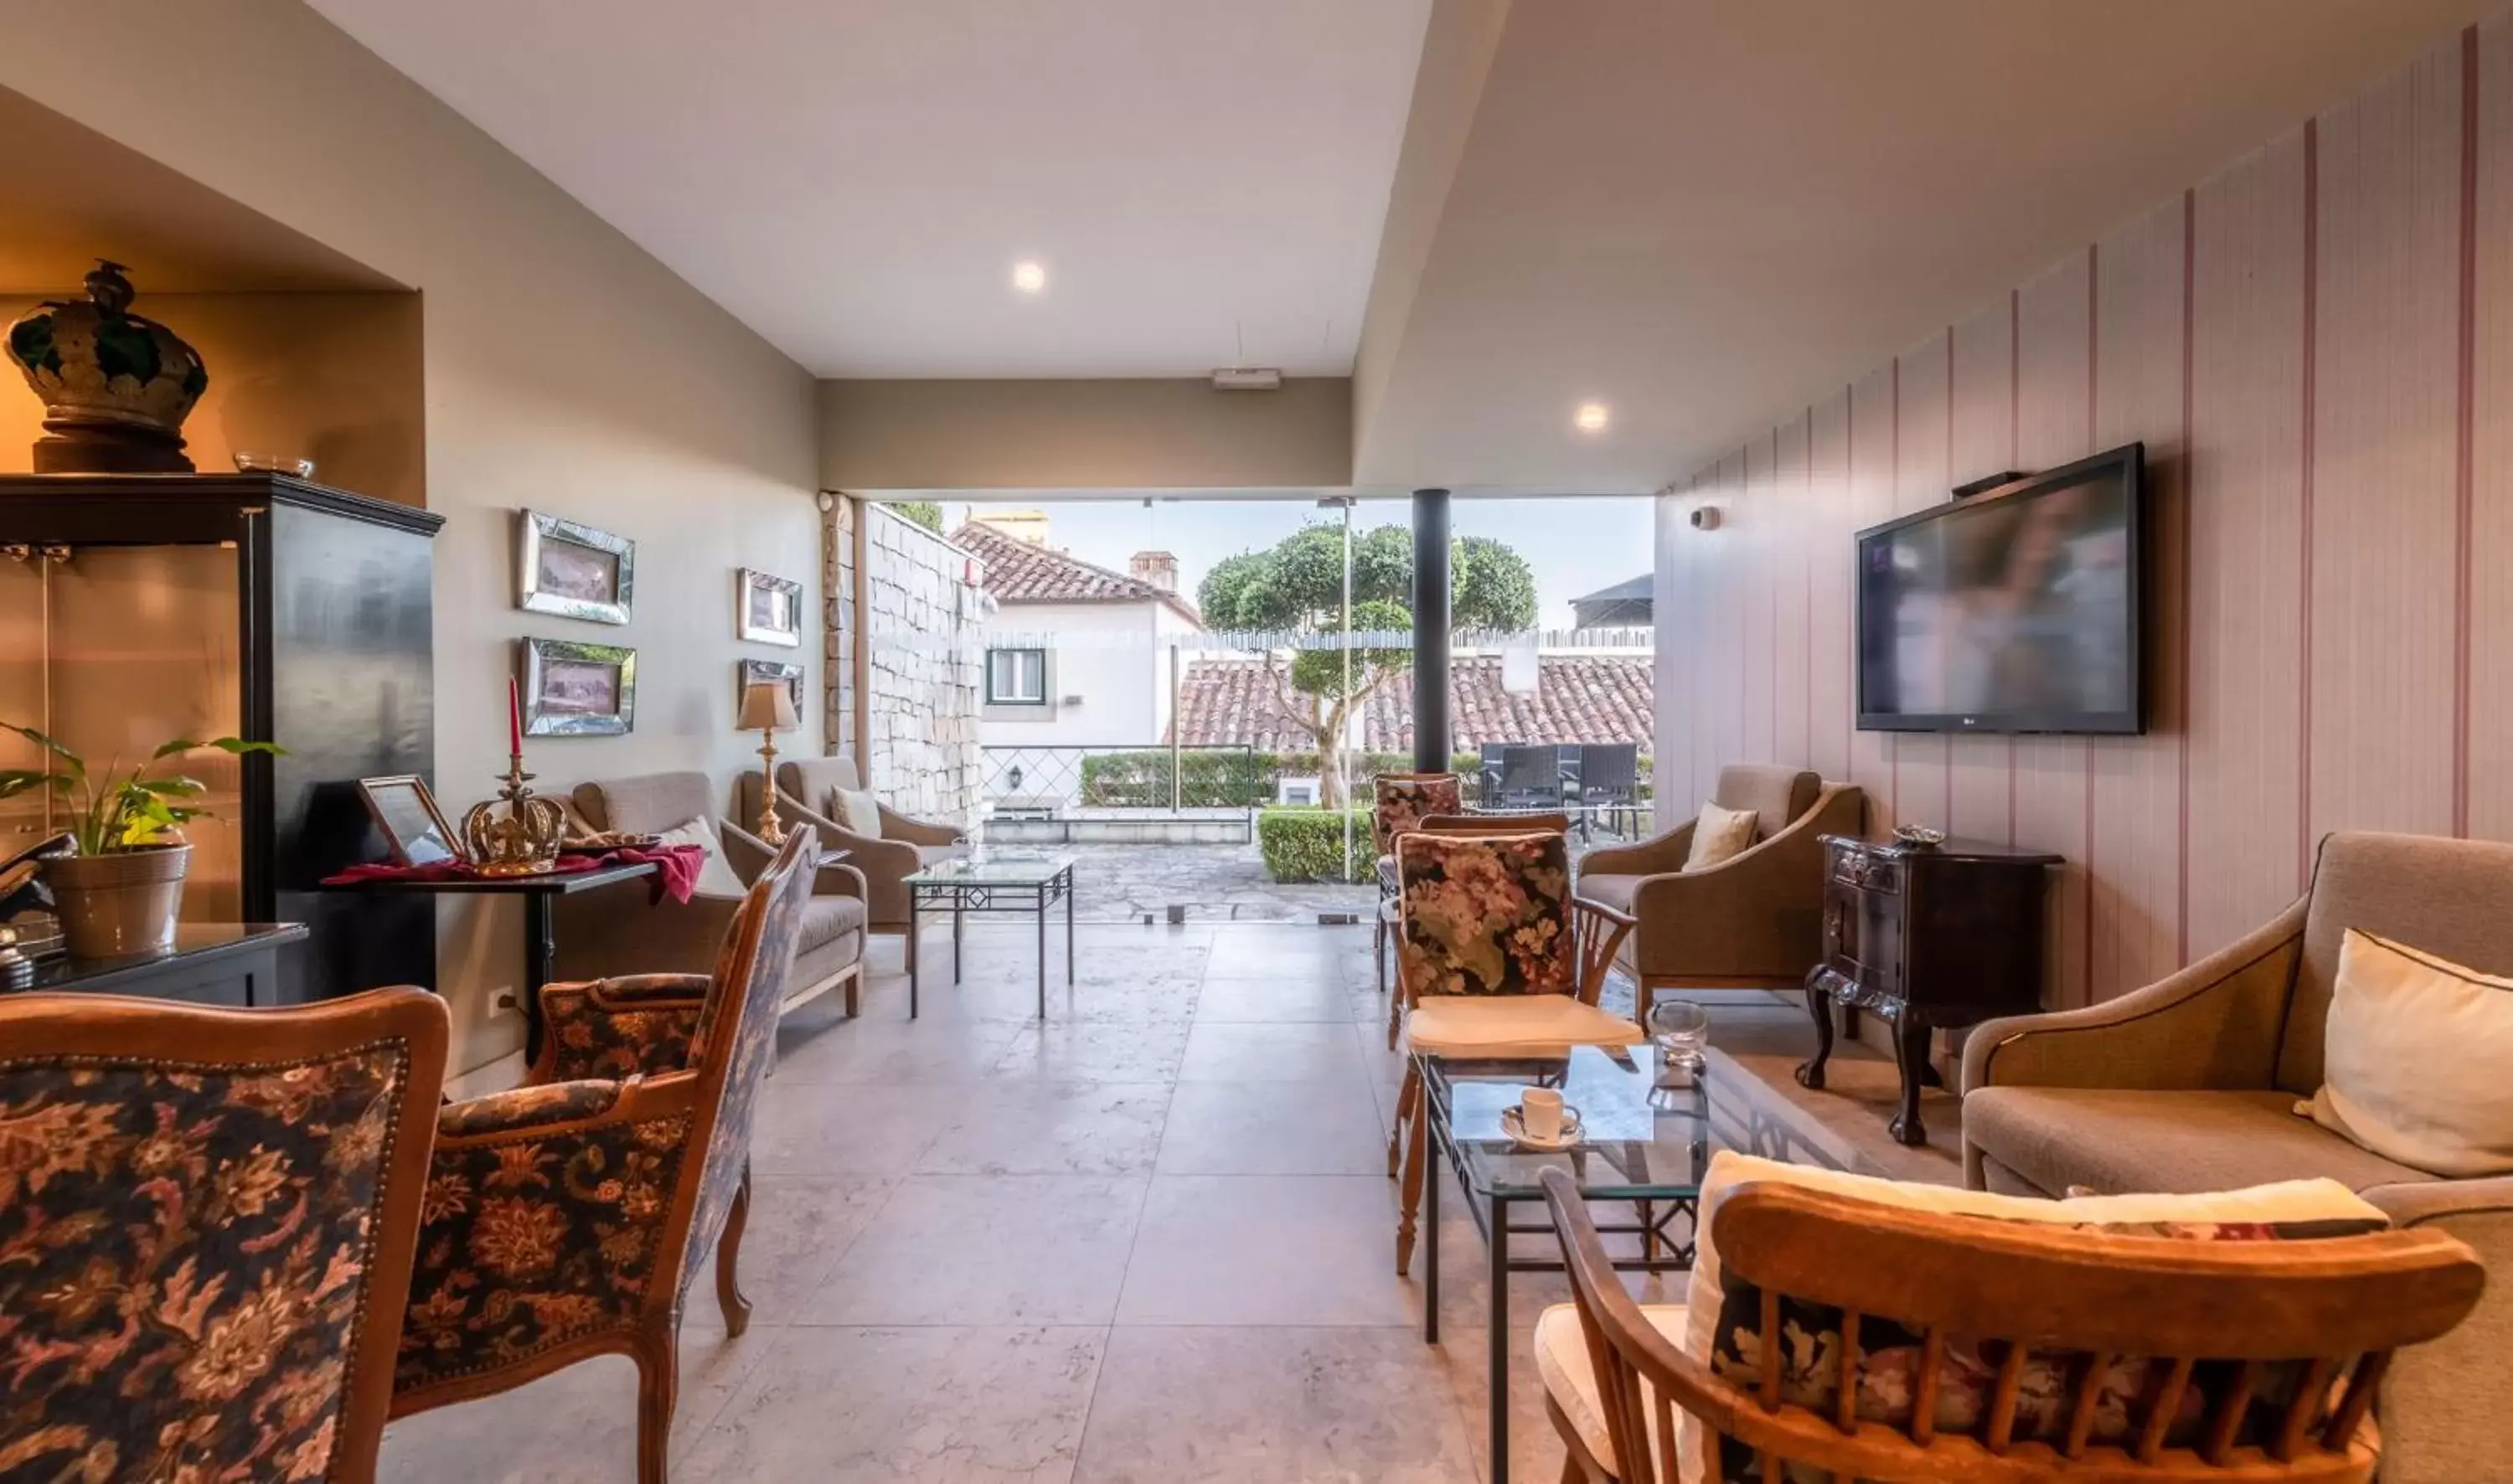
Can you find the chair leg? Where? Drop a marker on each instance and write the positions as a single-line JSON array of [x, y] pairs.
[[854, 994], [658, 1385], [728, 1261], [1409, 1194], [1408, 1092]]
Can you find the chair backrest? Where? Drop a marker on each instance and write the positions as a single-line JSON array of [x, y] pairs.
[[1401, 799], [1609, 768], [2171, 1357], [647, 804], [1533, 770], [1776, 795], [2449, 897], [209, 1219], [735, 1039], [809, 781], [1484, 915]]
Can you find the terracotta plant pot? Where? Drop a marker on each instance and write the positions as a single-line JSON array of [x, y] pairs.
[[121, 903]]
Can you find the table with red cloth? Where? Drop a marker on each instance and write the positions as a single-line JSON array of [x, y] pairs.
[[676, 869]]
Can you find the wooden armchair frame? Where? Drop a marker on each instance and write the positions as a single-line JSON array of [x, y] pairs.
[[2340, 1304], [693, 1049]]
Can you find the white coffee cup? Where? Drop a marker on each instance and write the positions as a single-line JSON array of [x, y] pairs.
[[1539, 1113]]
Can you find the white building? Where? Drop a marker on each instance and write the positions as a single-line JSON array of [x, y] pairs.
[[1076, 655]]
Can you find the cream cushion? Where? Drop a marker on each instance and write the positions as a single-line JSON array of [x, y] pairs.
[[859, 811], [1570, 1373], [1511, 1026], [715, 877], [1719, 835], [2292, 1200], [2413, 1058]]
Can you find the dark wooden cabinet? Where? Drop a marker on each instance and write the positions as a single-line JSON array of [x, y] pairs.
[[140, 608], [1925, 936]]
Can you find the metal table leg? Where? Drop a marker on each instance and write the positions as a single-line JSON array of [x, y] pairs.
[[1436, 1156], [541, 959], [1497, 1341], [1068, 927], [959, 916], [913, 901], [1042, 953]]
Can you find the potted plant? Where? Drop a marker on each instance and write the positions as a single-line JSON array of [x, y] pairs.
[[119, 895]]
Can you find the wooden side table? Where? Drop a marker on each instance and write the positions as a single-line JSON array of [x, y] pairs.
[[1925, 936]]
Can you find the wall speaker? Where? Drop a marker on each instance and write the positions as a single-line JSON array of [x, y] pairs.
[[1705, 518]]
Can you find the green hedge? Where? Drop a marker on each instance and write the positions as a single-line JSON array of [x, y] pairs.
[[1207, 780], [1301, 844]]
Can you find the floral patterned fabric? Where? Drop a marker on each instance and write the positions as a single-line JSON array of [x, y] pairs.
[[526, 1107], [1890, 1354], [1485, 915], [184, 1262], [1405, 799], [617, 1028], [527, 1241]]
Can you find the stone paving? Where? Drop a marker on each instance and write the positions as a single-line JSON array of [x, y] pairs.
[[1214, 884]]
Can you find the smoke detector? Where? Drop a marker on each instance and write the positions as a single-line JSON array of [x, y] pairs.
[[1247, 378]]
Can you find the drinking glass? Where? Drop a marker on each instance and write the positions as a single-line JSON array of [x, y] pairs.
[[1679, 1029]]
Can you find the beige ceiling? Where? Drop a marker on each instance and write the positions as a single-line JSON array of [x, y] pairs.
[[74, 196], [1706, 214]]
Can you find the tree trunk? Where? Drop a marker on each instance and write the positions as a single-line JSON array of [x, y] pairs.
[[1331, 792]]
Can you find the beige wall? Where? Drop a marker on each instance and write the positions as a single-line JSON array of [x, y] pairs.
[[2315, 348], [1083, 435], [334, 377], [565, 370]]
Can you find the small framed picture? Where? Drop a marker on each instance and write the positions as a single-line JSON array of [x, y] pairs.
[[751, 671], [572, 570], [413, 826], [578, 691], [769, 608]]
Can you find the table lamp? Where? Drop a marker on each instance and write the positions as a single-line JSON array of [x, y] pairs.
[[768, 708]]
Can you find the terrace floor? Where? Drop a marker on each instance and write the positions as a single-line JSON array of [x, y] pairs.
[[1214, 884], [1150, 1239]]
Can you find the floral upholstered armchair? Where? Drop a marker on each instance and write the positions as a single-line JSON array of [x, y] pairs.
[[206, 1219], [1401, 802], [1495, 958], [562, 1214]]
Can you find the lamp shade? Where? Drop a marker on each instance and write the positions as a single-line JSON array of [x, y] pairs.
[[768, 706]]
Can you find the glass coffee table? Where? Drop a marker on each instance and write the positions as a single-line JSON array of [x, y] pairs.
[[1636, 1149], [998, 883]]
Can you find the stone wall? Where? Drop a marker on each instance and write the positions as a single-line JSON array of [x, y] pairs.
[[921, 619]]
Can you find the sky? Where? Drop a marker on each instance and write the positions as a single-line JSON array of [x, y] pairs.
[[1574, 545]]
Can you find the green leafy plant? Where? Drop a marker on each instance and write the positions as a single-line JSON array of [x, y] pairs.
[[1307, 845], [119, 811]]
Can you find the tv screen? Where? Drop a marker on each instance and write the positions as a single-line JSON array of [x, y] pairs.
[[2012, 611]]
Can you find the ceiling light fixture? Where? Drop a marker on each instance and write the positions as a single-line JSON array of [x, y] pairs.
[[1029, 277], [1591, 417]]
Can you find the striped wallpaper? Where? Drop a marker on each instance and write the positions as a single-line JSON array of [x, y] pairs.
[[2316, 346]]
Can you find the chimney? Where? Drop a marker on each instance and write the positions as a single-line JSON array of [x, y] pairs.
[[1157, 568]]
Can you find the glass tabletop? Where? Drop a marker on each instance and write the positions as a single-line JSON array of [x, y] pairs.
[[1637, 1142], [996, 869]]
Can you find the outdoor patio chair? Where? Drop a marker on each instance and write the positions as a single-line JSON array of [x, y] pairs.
[[1495, 959], [1610, 775]]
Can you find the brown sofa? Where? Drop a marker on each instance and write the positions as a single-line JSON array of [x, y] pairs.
[[615, 930], [2190, 1085], [1749, 922], [906, 843]]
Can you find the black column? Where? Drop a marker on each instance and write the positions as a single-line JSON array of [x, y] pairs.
[[1431, 631]]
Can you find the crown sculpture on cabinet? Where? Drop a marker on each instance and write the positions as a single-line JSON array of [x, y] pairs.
[[116, 385]]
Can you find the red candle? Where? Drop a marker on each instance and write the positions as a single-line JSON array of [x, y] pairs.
[[514, 718]]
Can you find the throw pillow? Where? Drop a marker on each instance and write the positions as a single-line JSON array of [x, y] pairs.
[[1719, 835], [1723, 1317], [2414, 1059], [715, 877], [859, 812]]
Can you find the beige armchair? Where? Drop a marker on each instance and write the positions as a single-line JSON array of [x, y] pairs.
[[1753, 922], [2190, 1085], [905, 844], [615, 932]]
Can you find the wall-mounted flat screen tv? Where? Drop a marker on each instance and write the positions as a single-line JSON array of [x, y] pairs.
[[2014, 610]]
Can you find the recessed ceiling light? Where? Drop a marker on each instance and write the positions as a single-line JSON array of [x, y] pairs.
[[1591, 417], [1029, 277]]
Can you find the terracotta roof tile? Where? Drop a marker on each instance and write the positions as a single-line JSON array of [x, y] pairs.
[[1579, 698], [1018, 571]]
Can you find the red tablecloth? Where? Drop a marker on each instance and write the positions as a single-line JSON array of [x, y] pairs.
[[676, 872]]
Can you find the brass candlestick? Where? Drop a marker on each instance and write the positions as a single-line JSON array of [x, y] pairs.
[[525, 841]]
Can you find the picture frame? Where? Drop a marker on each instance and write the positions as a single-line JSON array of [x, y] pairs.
[[572, 570], [768, 609], [405, 814], [751, 671], [573, 690]]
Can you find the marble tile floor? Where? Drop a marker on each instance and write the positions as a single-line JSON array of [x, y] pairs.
[[1149, 1239]]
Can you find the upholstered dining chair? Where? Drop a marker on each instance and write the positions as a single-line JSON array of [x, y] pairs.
[[563, 1215], [1991, 1351], [1511, 822], [1496, 959], [206, 1225]]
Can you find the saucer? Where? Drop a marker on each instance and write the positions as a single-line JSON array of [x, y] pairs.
[[1515, 1131]]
